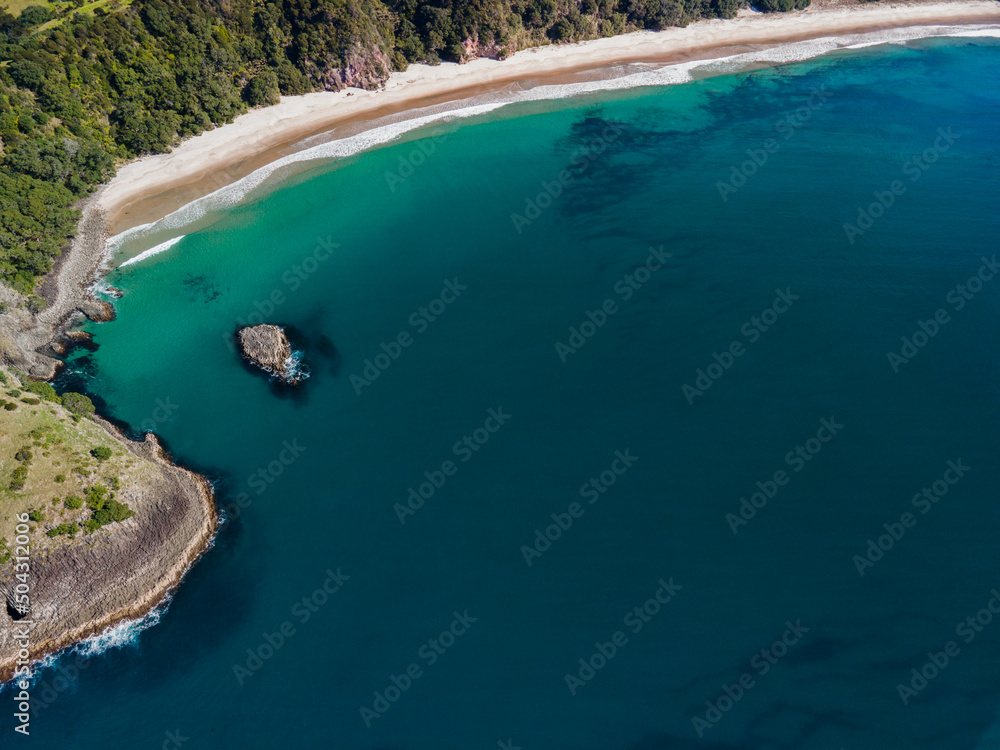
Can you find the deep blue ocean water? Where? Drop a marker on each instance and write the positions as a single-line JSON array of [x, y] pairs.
[[535, 368]]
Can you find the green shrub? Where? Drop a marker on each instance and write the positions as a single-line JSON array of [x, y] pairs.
[[23, 455], [262, 89], [780, 6], [78, 404], [97, 496], [101, 453], [35, 15], [73, 502], [9, 405], [14, 392], [36, 515], [31, 401], [43, 390], [60, 478], [67, 529], [112, 512], [18, 477]]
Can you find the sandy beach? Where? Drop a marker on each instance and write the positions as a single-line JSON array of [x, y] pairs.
[[152, 187]]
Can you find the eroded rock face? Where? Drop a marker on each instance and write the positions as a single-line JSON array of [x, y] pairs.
[[472, 49], [267, 347]]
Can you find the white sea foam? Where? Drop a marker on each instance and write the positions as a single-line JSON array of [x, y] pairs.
[[120, 635], [647, 76], [125, 633], [295, 367], [163, 246]]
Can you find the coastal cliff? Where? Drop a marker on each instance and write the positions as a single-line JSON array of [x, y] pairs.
[[109, 525]]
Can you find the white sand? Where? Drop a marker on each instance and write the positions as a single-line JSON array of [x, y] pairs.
[[211, 160]]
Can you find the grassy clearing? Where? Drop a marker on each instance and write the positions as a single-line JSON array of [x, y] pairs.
[[68, 9], [61, 10], [56, 451], [14, 7]]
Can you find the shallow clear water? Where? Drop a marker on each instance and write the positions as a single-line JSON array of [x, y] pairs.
[[317, 480]]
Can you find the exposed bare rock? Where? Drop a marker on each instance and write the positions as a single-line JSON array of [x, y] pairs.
[[472, 49], [364, 68], [120, 572], [66, 341], [97, 310], [267, 347]]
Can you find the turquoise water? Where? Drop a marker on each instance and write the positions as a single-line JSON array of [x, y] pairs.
[[535, 371]]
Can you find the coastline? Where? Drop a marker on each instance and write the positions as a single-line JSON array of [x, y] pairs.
[[142, 586], [151, 188], [148, 189]]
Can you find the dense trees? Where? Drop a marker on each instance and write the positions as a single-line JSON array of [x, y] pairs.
[[781, 5], [95, 89]]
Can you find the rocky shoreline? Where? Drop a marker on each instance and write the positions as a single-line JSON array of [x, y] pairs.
[[123, 573], [26, 338], [83, 591]]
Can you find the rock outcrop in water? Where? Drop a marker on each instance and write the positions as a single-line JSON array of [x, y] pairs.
[[267, 347]]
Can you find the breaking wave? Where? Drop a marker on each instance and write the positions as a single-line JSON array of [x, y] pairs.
[[162, 247]]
